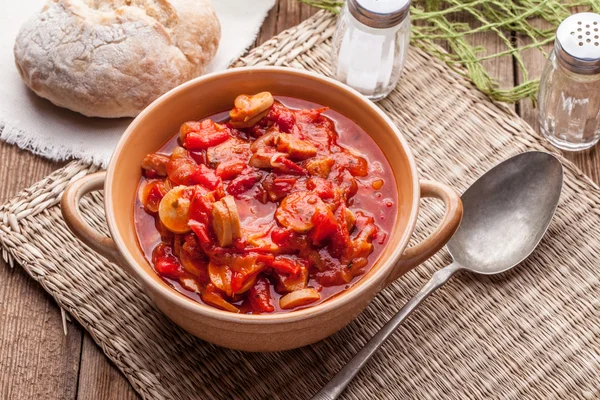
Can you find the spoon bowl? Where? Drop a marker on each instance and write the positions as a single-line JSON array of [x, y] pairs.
[[506, 213]]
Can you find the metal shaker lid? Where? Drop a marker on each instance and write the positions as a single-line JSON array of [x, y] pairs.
[[578, 43], [379, 14]]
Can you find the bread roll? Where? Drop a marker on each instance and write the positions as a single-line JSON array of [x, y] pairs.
[[111, 58]]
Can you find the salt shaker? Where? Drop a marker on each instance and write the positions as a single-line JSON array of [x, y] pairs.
[[370, 45], [569, 96]]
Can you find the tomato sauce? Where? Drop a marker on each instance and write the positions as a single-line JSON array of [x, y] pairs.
[[291, 235]]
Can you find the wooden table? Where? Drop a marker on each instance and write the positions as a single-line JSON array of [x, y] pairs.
[[37, 360]]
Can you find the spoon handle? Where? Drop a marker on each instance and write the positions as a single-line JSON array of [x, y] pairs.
[[339, 382]]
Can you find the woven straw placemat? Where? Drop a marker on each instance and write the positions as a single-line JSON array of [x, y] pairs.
[[531, 333]]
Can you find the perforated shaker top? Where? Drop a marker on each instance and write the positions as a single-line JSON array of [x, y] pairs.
[[579, 37]]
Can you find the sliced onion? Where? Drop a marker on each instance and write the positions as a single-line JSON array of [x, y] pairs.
[[299, 298], [214, 299], [220, 276], [190, 284]]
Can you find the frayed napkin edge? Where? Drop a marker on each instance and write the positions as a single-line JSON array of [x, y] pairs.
[[49, 149]]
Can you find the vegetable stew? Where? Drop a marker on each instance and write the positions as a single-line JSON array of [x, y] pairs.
[[273, 206]]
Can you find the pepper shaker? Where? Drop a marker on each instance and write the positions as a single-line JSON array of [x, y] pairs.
[[569, 96], [370, 45]]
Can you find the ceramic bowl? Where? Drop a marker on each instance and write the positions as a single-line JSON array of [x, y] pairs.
[[214, 93]]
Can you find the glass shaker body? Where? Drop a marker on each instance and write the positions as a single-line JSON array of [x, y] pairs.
[[569, 95], [368, 59], [569, 107]]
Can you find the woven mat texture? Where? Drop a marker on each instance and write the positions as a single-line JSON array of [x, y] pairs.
[[532, 333]]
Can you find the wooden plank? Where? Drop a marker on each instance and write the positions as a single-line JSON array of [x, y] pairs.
[[284, 15], [501, 69], [288, 15], [36, 359], [269, 27], [588, 161], [99, 378]]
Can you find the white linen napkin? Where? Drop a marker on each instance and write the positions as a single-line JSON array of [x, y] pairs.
[[37, 125]]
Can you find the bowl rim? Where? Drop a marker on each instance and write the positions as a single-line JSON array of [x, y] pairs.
[[359, 288]]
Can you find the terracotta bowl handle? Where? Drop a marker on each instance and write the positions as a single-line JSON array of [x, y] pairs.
[[69, 205], [414, 256]]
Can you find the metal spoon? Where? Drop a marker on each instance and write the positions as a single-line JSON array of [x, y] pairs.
[[506, 213]]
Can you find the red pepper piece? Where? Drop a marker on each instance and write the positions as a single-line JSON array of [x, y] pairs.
[[208, 135], [288, 166], [283, 117], [230, 169], [265, 258], [206, 177], [260, 296], [312, 115], [181, 171], [168, 268], [325, 225], [284, 184], [322, 187], [340, 238], [191, 246], [243, 183], [277, 187], [285, 265], [150, 174], [154, 196], [202, 232], [165, 263], [200, 141], [281, 236], [286, 122], [201, 205], [335, 275], [239, 244], [198, 156], [237, 281], [189, 126]]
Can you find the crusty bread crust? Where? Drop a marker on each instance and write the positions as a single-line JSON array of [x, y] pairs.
[[111, 58]]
